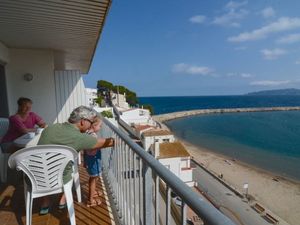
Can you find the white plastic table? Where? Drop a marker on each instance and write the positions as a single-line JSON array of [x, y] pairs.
[[24, 141]]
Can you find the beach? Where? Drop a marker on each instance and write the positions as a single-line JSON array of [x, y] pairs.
[[278, 194]]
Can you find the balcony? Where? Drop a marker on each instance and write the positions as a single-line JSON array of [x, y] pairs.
[[12, 206], [137, 190]]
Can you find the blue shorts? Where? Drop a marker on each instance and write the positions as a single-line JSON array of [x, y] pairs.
[[93, 164]]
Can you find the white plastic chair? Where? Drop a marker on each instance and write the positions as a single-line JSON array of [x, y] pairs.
[[4, 123], [44, 166]]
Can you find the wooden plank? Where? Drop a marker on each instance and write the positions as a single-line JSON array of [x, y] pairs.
[[12, 207]]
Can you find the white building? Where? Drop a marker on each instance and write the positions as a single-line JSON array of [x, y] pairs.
[[139, 129], [137, 116], [43, 61], [149, 137], [119, 100], [132, 118], [175, 157], [91, 95]]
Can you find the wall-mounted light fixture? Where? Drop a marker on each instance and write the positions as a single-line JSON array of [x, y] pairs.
[[28, 77]]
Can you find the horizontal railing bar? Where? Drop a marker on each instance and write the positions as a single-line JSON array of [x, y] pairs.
[[207, 212]]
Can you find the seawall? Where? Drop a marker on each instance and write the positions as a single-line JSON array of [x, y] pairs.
[[176, 115]]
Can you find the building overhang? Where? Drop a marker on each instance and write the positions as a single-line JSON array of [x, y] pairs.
[[71, 29]]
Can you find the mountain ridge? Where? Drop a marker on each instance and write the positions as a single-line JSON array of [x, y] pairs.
[[287, 91]]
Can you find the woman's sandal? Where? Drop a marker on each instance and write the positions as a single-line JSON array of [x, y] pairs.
[[93, 203], [44, 210], [62, 206]]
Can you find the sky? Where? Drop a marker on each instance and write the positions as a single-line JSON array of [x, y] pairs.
[[199, 47]]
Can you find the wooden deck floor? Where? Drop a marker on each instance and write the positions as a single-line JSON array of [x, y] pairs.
[[12, 207]]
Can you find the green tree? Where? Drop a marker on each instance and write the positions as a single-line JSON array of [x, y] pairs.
[[104, 84], [107, 114], [149, 107], [131, 97], [121, 89], [99, 100]]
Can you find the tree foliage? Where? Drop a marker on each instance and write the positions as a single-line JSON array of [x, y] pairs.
[[149, 107], [107, 114], [98, 100], [104, 84], [131, 97]]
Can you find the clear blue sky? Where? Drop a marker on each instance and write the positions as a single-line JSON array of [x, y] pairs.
[[199, 47]]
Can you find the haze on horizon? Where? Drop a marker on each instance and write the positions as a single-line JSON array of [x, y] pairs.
[[171, 48]]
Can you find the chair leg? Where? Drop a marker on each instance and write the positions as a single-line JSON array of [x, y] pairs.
[[77, 184], [79, 158], [70, 203], [25, 190], [29, 201]]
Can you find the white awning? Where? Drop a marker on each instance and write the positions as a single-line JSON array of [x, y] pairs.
[[71, 28]]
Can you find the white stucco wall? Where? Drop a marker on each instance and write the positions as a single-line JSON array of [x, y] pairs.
[[54, 93], [69, 92], [175, 166], [41, 89], [119, 100], [4, 54], [186, 175], [185, 163]]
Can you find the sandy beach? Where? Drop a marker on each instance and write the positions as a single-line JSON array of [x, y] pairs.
[[278, 194]]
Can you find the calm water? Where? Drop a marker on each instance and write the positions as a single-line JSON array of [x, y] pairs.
[[175, 104], [269, 140]]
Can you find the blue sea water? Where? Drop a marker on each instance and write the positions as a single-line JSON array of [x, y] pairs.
[[175, 104], [269, 140]]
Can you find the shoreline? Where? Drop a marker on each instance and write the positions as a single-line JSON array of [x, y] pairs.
[[280, 194], [238, 161]]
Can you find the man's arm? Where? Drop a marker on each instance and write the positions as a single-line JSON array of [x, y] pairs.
[[104, 143]]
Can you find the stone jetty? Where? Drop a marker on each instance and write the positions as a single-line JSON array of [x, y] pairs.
[[176, 115]]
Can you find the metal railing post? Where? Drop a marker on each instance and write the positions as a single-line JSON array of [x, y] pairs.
[[147, 186], [118, 170]]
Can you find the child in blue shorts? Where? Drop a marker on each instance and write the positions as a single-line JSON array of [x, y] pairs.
[[92, 161]]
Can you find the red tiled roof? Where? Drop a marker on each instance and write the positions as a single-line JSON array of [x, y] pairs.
[[142, 127]]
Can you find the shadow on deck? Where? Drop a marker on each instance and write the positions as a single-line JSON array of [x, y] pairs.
[[12, 207]]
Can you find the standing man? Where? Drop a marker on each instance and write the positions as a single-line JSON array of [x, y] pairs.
[[72, 134]]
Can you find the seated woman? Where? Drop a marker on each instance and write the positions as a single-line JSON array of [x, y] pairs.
[[22, 122]]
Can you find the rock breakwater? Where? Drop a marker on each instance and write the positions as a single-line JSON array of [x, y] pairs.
[[176, 115]]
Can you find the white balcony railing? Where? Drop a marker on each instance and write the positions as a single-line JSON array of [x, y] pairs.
[[134, 176]]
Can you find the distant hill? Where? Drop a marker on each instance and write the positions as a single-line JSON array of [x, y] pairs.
[[290, 91]]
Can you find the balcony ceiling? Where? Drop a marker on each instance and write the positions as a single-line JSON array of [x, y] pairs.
[[70, 28]]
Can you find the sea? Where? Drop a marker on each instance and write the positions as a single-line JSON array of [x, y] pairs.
[[267, 140]]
